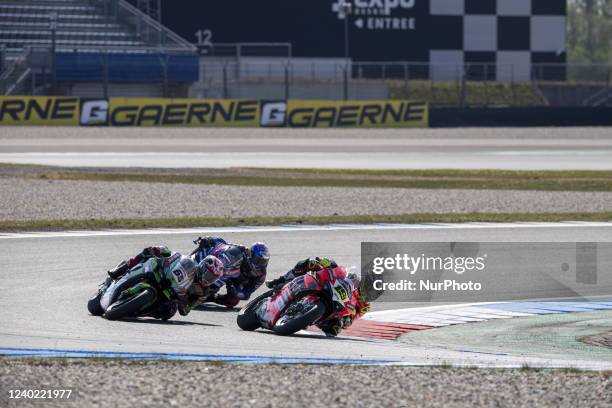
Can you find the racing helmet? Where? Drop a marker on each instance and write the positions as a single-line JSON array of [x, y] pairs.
[[348, 282], [210, 269], [355, 280], [362, 304], [258, 257]]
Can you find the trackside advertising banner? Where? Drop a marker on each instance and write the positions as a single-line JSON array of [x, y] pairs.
[[390, 114], [39, 111], [183, 112], [73, 111]]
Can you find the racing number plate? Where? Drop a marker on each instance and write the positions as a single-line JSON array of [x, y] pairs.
[[341, 292], [180, 275]]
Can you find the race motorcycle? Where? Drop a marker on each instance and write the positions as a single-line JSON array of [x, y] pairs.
[[297, 304], [135, 294]]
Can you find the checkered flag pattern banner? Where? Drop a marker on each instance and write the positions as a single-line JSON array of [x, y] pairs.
[[502, 40]]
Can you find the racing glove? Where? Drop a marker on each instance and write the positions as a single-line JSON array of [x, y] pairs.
[[204, 242], [275, 282], [156, 251], [119, 270]]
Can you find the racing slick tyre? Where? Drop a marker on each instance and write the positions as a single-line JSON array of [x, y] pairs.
[[131, 306], [247, 318], [299, 315], [93, 305]]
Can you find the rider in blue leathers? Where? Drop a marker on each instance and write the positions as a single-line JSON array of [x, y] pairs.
[[245, 268]]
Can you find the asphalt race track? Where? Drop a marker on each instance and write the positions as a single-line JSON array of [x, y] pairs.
[[494, 148], [46, 280]]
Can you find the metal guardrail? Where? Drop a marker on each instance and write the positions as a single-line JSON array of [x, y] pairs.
[[599, 98], [110, 49], [151, 31], [240, 50], [271, 67], [14, 72], [156, 39], [443, 84], [144, 23]]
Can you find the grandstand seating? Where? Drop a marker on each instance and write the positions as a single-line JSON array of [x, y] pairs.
[[79, 23], [81, 27]]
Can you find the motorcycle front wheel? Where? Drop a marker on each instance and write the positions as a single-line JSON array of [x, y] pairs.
[[298, 316], [131, 306], [247, 317], [93, 304]]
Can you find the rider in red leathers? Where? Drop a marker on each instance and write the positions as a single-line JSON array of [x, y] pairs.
[[325, 270]]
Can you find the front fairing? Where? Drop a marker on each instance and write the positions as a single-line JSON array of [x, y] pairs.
[[111, 291], [340, 292], [148, 270]]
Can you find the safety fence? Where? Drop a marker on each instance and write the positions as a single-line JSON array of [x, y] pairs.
[[474, 84], [103, 74]]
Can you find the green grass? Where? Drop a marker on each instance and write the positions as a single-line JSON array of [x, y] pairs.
[[431, 179], [475, 93], [133, 223], [451, 173], [570, 370]]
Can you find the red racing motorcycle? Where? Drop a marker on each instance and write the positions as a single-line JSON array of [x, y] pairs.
[[304, 301]]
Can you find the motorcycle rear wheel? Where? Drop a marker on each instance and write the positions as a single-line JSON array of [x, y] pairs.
[[290, 323], [247, 317], [131, 306]]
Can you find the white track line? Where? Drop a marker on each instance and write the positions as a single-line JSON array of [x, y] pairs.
[[298, 228]]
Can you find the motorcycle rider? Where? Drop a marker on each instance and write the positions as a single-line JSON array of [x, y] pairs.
[[188, 281], [313, 264], [245, 268], [316, 265]]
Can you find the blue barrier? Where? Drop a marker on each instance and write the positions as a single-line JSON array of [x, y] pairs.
[[126, 67], [253, 359]]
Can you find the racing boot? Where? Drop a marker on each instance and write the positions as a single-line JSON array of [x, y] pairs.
[[331, 327], [164, 311], [226, 300]]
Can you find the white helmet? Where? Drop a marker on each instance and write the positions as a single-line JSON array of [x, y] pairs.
[[211, 269]]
